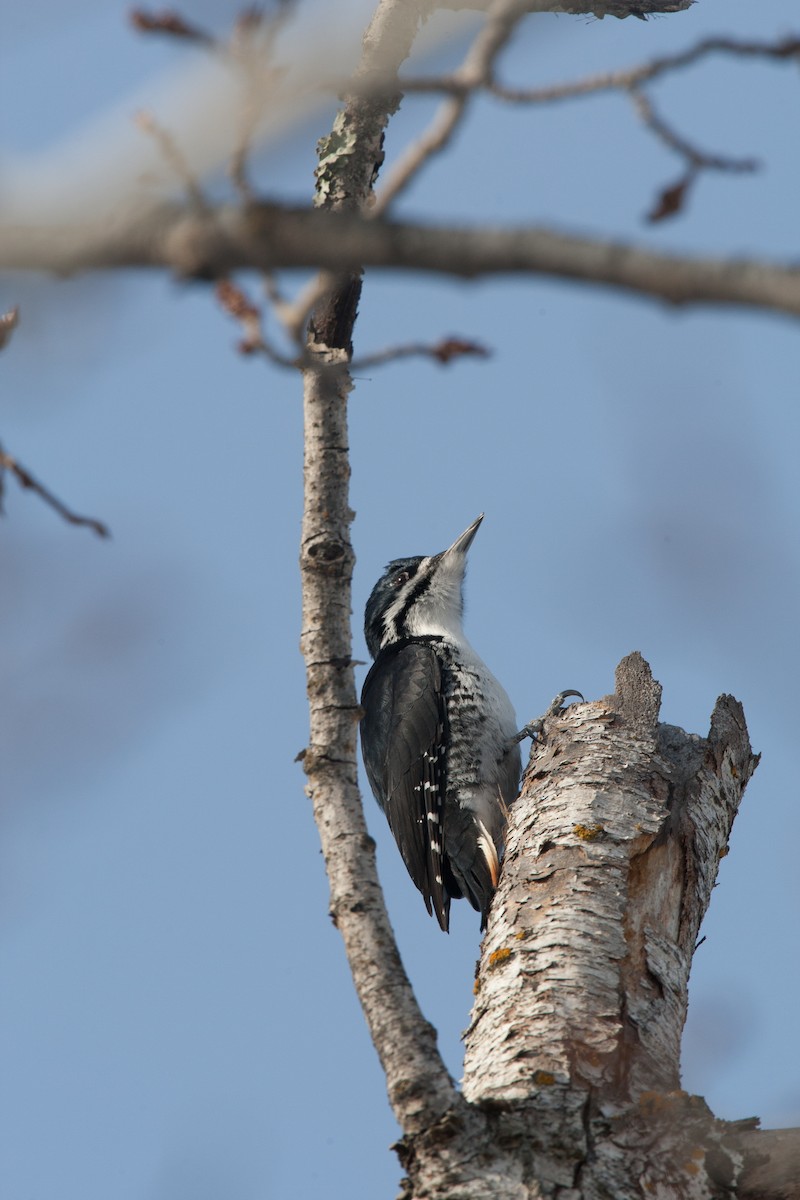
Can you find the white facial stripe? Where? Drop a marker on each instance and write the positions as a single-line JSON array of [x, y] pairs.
[[390, 617]]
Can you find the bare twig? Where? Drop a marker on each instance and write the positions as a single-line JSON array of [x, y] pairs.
[[8, 323], [26, 480], [435, 139], [294, 314], [174, 157], [170, 23], [475, 72], [698, 160], [671, 199], [443, 352], [620, 80], [461, 85], [251, 48], [420, 1089], [235, 302]]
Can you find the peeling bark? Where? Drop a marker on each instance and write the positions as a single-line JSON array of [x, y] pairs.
[[572, 1054], [612, 852]]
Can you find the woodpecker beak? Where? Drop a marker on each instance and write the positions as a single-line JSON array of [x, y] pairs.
[[462, 543]]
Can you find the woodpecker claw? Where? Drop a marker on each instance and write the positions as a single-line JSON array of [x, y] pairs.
[[534, 728], [558, 703]]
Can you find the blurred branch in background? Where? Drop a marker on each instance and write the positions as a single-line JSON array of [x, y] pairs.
[[273, 83], [8, 323]]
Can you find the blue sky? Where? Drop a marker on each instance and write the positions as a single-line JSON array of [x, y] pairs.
[[176, 1016]]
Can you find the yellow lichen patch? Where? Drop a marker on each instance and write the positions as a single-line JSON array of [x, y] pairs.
[[476, 987], [523, 933], [587, 833], [692, 1168], [653, 1102], [724, 852], [499, 956], [544, 1078]]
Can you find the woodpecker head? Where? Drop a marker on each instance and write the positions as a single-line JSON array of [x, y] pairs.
[[419, 596]]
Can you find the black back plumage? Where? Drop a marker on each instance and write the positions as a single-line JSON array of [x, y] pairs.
[[404, 740]]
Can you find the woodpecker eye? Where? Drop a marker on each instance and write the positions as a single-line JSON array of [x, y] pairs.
[[401, 578]]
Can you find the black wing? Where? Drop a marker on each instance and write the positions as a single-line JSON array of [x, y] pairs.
[[403, 739]]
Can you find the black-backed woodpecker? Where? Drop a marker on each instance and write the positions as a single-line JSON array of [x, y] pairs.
[[438, 732]]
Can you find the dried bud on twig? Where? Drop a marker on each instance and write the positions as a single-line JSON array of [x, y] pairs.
[[171, 23]]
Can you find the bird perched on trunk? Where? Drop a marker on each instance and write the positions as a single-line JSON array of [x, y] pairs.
[[438, 735]]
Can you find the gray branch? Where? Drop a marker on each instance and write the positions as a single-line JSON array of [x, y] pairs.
[[419, 1086], [267, 237]]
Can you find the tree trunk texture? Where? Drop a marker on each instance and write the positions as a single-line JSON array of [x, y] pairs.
[[572, 1071]]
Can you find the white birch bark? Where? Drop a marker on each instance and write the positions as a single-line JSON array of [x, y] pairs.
[[419, 1087], [612, 853], [572, 1062]]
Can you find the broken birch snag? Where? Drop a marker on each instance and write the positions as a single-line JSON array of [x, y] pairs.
[[613, 849]]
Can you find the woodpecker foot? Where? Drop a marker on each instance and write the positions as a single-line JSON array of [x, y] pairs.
[[534, 728]]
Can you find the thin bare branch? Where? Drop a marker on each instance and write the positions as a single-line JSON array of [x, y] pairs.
[[435, 139], [294, 314], [461, 85], [251, 48], [170, 23], [235, 302], [672, 198], [443, 352], [784, 49], [8, 323], [251, 318], [174, 157], [26, 480], [698, 160], [419, 1086], [476, 71]]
